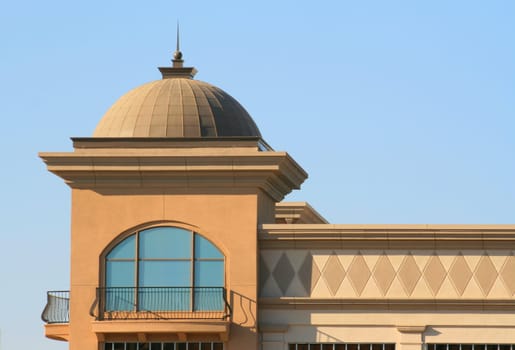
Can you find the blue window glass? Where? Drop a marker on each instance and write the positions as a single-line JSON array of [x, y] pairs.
[[169, 278], [120, 273], [208, 299], [206, 249], [124, 250], [165, 242], [209, 273], [164, 299], [164, 274], [120, 299]]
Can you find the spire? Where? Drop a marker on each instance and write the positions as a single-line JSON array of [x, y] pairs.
[[177, 55], [177, 70]]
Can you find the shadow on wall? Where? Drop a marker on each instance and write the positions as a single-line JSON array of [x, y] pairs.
[[430, 331], [326, 337], [287, 274], [243, 311]]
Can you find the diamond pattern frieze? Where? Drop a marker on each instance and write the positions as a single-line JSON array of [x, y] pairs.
[[434, 274], [333, 273], [308, 273], [409, 274], [460, 274], [358, 274], [485, 274], [283, 273], [383, 274], [507, 274]]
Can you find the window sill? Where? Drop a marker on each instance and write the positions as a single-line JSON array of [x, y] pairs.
[[143, 328]]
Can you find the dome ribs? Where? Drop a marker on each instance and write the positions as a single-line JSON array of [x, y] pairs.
[[174, 125], [144, 118], [191, 118], [160, 109], [113, 125], [206, 117], [177, 107], [219, 108]]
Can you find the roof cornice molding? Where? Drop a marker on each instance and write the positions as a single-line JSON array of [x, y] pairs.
[[284, 236], [298, 213], [276, 173]]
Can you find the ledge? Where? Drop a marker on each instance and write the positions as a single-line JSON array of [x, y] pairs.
[[318, 236], [411, 329], [275, 173], [166, 142], [182, 328], [58, 331], [297, 213], [301, 303]]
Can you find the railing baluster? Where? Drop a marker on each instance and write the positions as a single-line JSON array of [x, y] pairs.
[[154, 303], [163, 303], [57, 307]]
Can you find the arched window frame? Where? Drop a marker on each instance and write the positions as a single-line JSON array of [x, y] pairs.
[[194, 295]]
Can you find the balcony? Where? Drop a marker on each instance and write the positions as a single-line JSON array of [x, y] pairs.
[[161, 303], [56, 315], [145, 310], [57, 307]]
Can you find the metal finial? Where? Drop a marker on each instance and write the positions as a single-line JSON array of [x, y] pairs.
[[177, 70], [177, 56], [178, 37]]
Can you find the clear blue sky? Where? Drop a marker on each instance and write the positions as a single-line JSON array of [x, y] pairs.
[[400, 111]]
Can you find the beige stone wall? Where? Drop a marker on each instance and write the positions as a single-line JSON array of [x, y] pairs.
[[407, 330], [388, 274]]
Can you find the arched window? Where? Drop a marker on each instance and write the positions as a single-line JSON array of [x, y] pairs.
[[164, 268]]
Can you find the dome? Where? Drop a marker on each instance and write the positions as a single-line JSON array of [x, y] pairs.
[[176, 106]]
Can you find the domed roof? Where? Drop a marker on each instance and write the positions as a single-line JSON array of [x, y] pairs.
[[176, 106]]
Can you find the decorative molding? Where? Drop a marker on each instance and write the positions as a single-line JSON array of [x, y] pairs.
[[223, 169], [181, 328], [273, 328], [411, 329], [297, 213], [387, 304], [433, 237], [388, 274]]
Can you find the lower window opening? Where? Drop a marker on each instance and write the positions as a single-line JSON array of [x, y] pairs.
[[164, 346], [476, 346], [344, 346]]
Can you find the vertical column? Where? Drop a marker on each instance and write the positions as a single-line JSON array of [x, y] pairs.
[[272, 336], [410, 337]]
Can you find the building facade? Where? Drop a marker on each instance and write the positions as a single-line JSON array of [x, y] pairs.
[[180, 241]]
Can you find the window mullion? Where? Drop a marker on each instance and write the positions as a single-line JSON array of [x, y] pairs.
[[136, 272], [192, 272]]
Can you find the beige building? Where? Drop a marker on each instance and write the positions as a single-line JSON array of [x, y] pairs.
[[180, 241]]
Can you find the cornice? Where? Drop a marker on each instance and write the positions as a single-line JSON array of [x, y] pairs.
[[298, 213], [284, 236], [276, 173]]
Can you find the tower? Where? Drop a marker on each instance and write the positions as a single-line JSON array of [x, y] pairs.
[[167, 196]]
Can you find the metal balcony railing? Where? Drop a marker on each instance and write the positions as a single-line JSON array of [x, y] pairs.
[[162, 303], [57, 309]]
